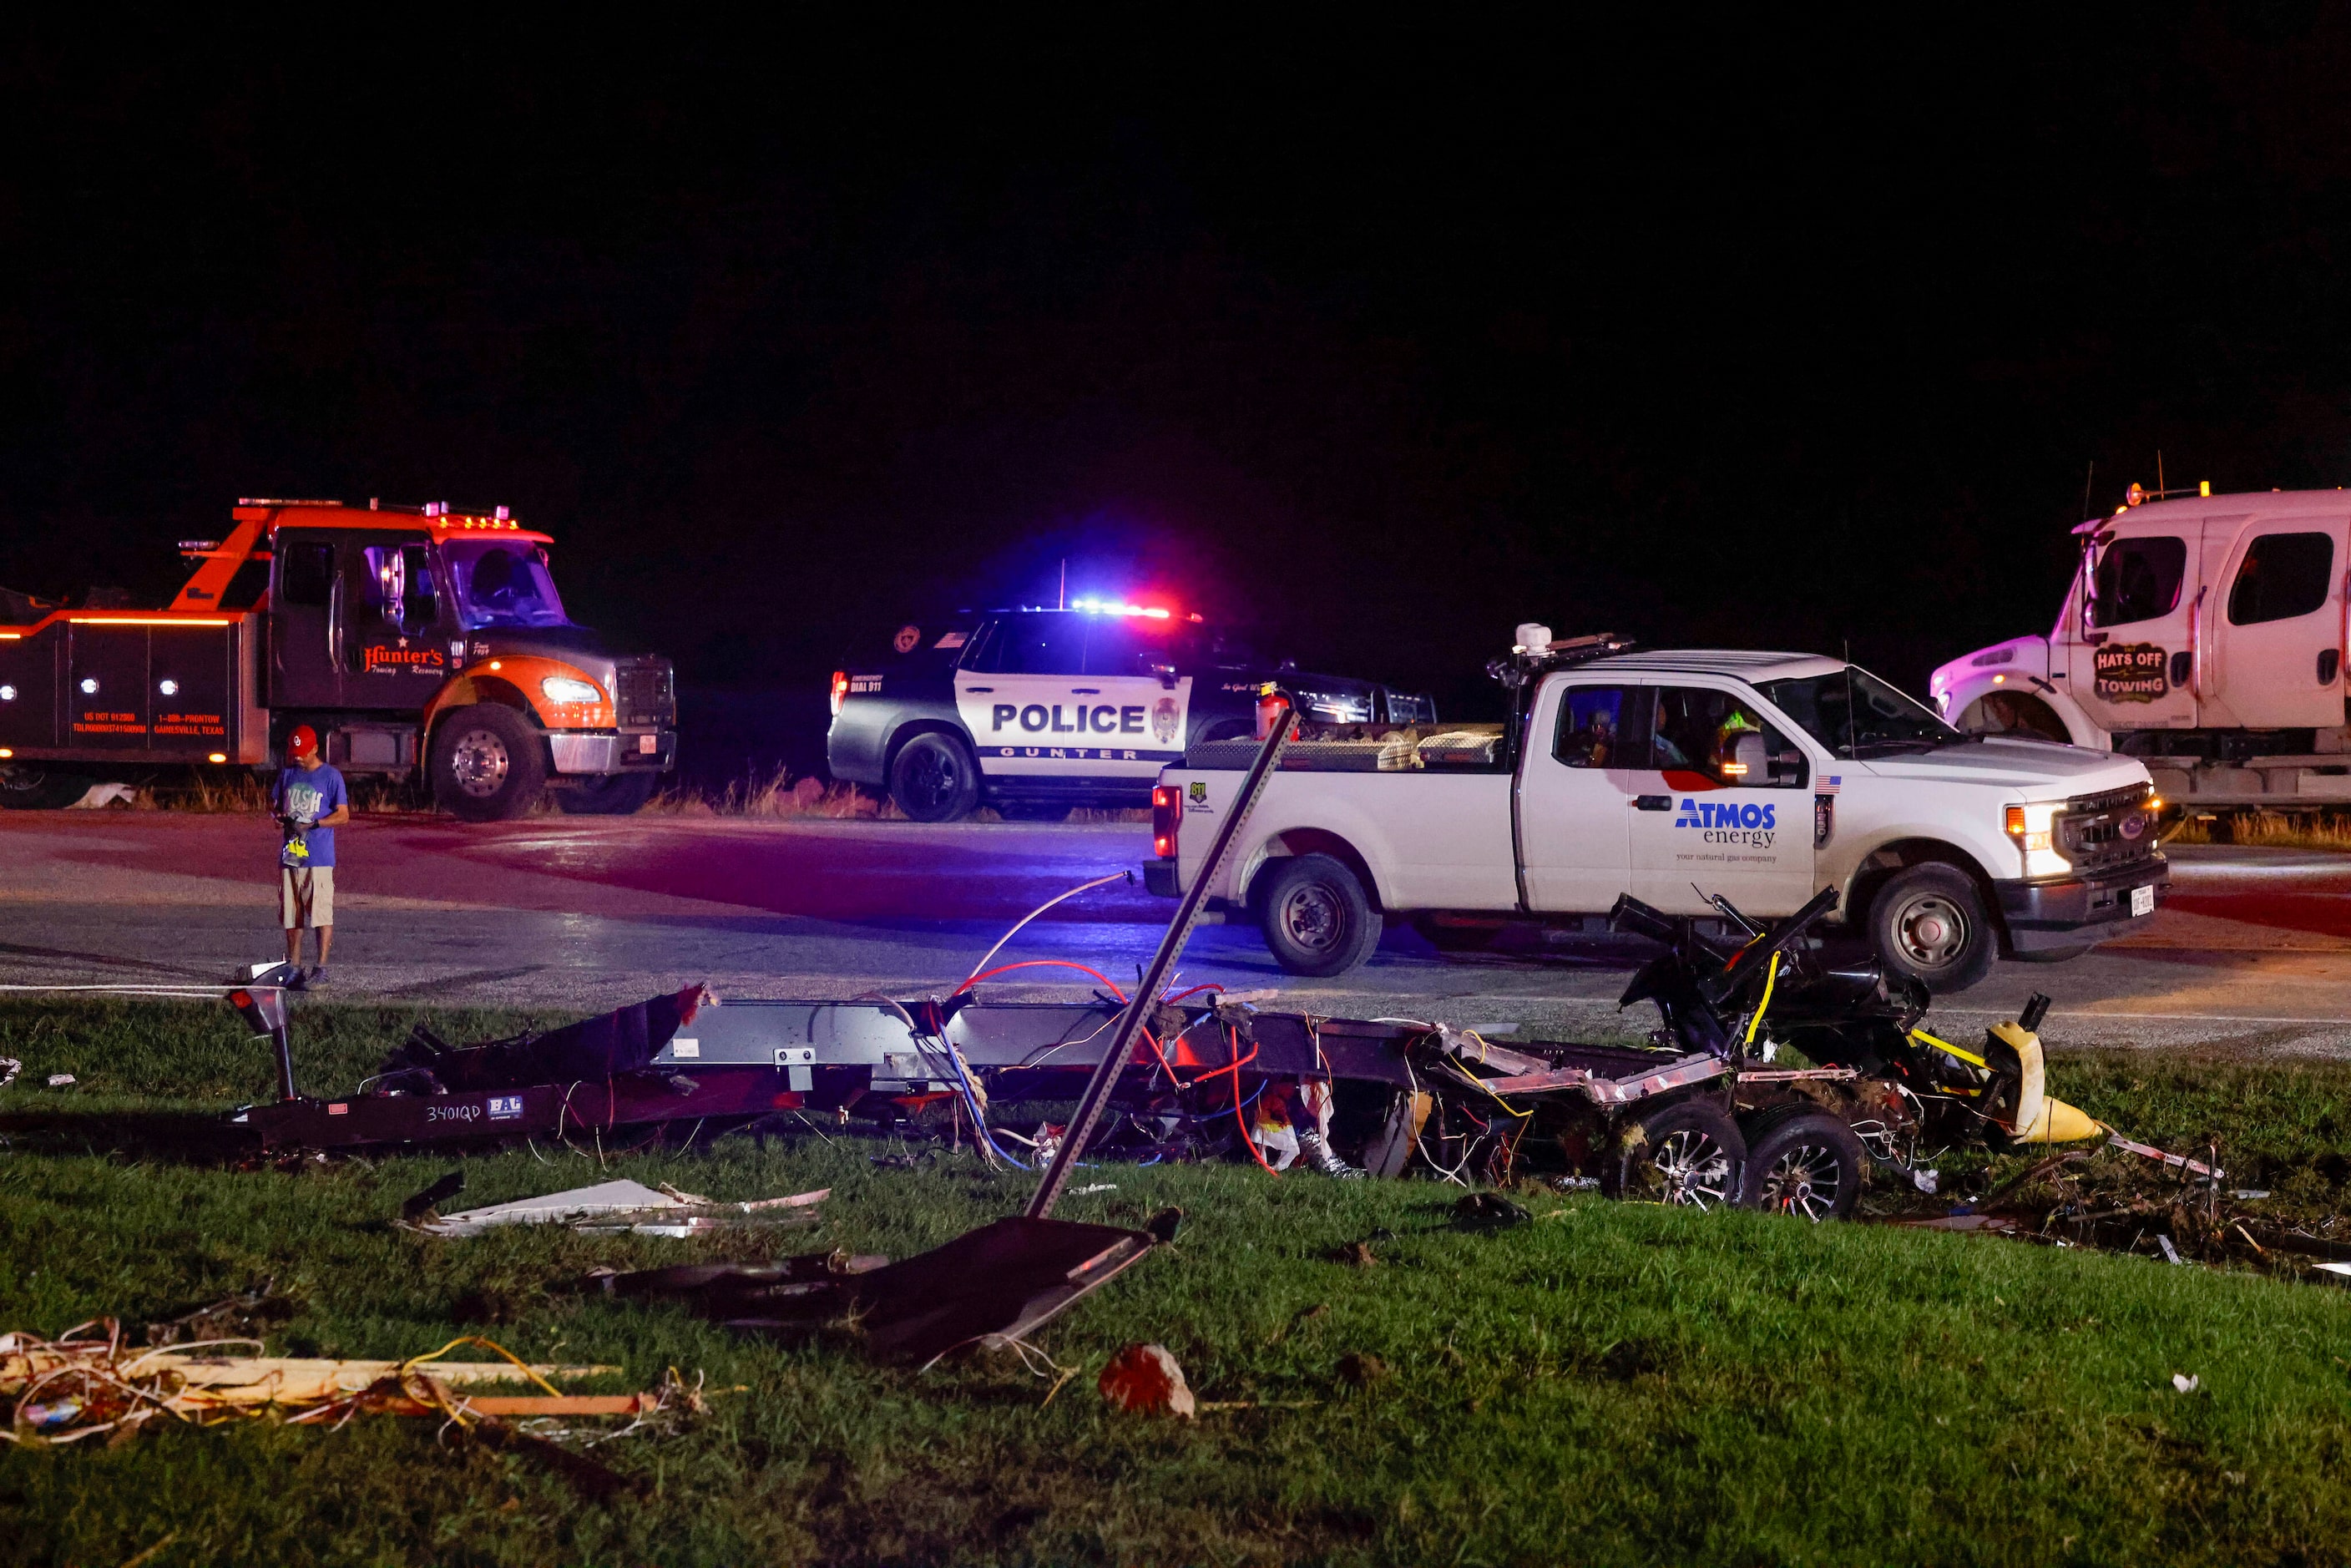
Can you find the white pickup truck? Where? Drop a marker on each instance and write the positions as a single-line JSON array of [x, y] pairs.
[[1673, 776]]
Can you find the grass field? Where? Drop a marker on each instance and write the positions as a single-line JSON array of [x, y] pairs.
[[1609, 1384]]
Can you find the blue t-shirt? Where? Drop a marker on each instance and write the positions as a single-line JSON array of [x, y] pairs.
[[309, 793]]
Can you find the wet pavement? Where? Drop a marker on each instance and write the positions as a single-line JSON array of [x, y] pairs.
[[2254, 949]]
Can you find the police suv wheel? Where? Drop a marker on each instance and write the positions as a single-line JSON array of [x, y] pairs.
[[935, 778], [1315, 916], [1929, 921], [488, 764]]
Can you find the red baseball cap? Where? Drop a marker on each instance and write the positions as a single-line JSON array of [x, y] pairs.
[[303, 742]]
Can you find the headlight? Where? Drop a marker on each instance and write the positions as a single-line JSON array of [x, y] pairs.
[[564, 689], [2034, 829]]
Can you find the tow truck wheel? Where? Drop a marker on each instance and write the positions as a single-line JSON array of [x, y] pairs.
[[1689, 1155], [607, 794], [1804, 1163], [1316, 919], [488, 764], [1930, 923], [935, 778]]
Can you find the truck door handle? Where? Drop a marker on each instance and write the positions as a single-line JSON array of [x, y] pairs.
[[1085, 691], [981, 690], [1652, 802]]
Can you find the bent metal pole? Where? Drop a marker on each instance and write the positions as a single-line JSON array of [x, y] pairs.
[[1146, 990]]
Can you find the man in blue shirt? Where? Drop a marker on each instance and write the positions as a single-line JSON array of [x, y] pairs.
[[308, 799]]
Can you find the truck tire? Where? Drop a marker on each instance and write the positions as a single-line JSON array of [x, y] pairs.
[[1929, 921], [488, 764], [935, 778], [1687, 1155], [1315, 916], [607, 794], [32, 788], [1803, 1162]]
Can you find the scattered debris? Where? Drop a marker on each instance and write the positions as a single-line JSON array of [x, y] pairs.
[[988, 1287], [2170, 1253], [2185, 1383], [1163, 1225], [2250, 1193], [1487, 1211], [86, 1382], [61, 1079], [1355, 1254], [1360, 1370], [625, 1206], [418, 1205], [9, 1068], [1098, 1187], [1145, 1379], [233, 1318]]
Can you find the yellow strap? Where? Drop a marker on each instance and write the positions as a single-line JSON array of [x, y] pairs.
[[1771, 978], [1969, 1057]]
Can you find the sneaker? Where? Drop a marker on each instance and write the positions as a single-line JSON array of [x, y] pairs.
[[315, 977], [295, 979], [1313, 1150]]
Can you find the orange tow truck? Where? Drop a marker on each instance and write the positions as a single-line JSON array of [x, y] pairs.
[[407, 637]]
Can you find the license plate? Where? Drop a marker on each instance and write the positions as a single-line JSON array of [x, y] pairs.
[[2142, 901], [646, 745]]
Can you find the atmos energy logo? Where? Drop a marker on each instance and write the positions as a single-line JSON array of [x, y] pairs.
[[1728, 821]]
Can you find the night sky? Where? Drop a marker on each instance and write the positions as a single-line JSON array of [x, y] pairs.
[[1377, 340]]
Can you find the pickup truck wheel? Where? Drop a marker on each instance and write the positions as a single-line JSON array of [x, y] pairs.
[[1930, 923], [1690, 1156], [607, 794], [935, 778], [1316, 919], [1804, 1163], [488, 764]]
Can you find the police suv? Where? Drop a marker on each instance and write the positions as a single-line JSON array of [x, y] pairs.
[[1037, 711]]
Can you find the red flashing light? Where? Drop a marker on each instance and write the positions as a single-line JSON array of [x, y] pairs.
[[840, 690], [1167, 819]]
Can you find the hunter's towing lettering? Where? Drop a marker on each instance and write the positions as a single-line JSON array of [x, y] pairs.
[[1728, 821], [2129, 673], [388, 659], [1101, 718]]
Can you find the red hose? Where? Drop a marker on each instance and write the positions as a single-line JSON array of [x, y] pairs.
[[1044, 963], [1241, 1062]]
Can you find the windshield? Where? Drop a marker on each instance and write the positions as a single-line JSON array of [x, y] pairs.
[[1853, 713], [503, 583]]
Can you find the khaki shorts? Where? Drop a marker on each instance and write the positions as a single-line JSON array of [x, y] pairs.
[[307, 894]]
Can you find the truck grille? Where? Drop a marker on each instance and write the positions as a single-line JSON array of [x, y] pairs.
[[645, 695], [2097, 832]]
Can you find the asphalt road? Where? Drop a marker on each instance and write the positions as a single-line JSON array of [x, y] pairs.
[[2254, 949]]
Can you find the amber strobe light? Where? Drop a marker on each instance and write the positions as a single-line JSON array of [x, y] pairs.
[[1166, 816]]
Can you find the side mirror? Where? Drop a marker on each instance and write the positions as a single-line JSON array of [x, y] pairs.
[[1751, 760], [1167, 674]]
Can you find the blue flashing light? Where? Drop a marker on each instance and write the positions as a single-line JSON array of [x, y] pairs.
[[1092, 606]]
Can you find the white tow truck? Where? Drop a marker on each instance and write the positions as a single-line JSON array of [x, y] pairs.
[[1759, 776], [2205, 634]]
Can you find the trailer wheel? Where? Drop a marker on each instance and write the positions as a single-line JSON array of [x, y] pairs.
[[935, 778], [488, 764], [1316, 917], [607, 794], [1929, 921], [1688, 1154], [1805, 1162], [32, 788]]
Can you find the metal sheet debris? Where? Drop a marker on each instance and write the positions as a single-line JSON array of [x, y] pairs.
[[626, 1205]]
